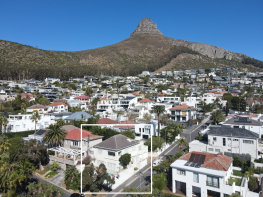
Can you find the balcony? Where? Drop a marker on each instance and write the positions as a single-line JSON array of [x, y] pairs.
[[75, 147]]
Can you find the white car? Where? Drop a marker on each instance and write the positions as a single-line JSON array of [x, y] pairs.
[[157, 162]]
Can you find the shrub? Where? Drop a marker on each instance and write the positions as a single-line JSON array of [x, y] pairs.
[[258, 170], [258, 160], [135, 168], [252, 184], [125, 159], [54, 166], [19, 134], [51, 152], [51, 174]]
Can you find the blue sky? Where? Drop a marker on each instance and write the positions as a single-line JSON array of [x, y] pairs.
[[235, 25]]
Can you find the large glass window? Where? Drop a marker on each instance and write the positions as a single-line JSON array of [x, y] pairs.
[[224, 141], [212, 181], [196, 178]]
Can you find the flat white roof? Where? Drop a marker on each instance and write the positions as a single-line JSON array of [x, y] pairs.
[[180, 164]]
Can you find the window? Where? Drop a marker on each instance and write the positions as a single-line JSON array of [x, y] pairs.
[[91, 152], [248, 142], [75, 143], [224, 141], [100, 151], [196, 177], [210, 149], [212, 181], [235, 140], [229, 138], [214, 138], [111, 153], [236, 127], [243, 127], [119, 153], [217, 150], [140, 130], [229, 149], [181, 172]]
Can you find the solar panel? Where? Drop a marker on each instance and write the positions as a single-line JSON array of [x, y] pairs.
[[198, 165], [188, 163], [202, 159], [192, 157], [196, 159]]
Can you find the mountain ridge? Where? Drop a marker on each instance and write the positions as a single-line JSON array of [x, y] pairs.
[[146, 49]]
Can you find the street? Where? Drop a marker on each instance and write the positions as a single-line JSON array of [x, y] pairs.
[[137, 182]]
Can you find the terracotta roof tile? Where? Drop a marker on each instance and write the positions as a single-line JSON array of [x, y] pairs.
[[126, 126], [107, 121], [212, 161], [182, 107], [104, 99], [145, 100], [57, 104]]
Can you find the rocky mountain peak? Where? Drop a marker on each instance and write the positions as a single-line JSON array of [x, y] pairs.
[[146, 26]]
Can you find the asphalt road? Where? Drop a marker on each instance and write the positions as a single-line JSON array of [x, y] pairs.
[[137, 182]]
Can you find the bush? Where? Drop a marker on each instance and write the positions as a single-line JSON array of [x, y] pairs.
[[258, 170], [258, 160], [19, 134], [51, 174], [125, 159], [51, 152], [54, 166], [135, 168], [252, 184]]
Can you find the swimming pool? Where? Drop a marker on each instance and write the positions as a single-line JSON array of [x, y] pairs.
[[111, 174]]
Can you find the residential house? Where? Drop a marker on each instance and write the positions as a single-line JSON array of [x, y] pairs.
[[58, 107], [182, 113], [233, 140], [109, 151], [41, 109], [205, 174], [78, 116]]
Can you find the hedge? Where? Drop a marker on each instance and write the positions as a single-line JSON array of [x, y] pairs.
[[19, 134]]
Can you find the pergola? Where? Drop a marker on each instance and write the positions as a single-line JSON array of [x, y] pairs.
[[67, 151]]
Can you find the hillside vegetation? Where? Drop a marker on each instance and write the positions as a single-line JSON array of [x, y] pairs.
[[128, 57]]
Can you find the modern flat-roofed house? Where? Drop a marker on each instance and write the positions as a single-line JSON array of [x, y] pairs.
[[109, 151], [205, 174], [233, 140]]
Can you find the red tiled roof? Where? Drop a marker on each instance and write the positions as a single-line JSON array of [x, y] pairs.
[[28, 95], [145, 100], [57, 104], [162, 93], [81, 97], [212, 161], [107, 121], [182, 107], [135, 93], [75, 134], [126, 126], [190, 87], [104, 99]]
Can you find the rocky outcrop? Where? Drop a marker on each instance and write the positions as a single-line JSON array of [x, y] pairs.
[[146, 26], [208, 50]]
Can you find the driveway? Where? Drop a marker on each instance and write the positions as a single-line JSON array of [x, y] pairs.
[[58, 179]]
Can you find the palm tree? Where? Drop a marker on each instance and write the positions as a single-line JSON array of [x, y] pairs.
[[182, 142], [4, 121], [55, 135], [4, 144], [60, 122], [158, 110], [217, 116], [23, 108], [35, 117]]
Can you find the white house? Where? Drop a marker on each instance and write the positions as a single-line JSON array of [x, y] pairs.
[[227, 139], [41, 109], [58, 107], [23, 122], [52, 80], [109, 151], [182, 113], [205, 174], [245, 123]]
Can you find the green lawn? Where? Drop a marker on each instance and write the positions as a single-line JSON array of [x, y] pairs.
[[237, 173], [236, 180], [51, 174], [44, 171]]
